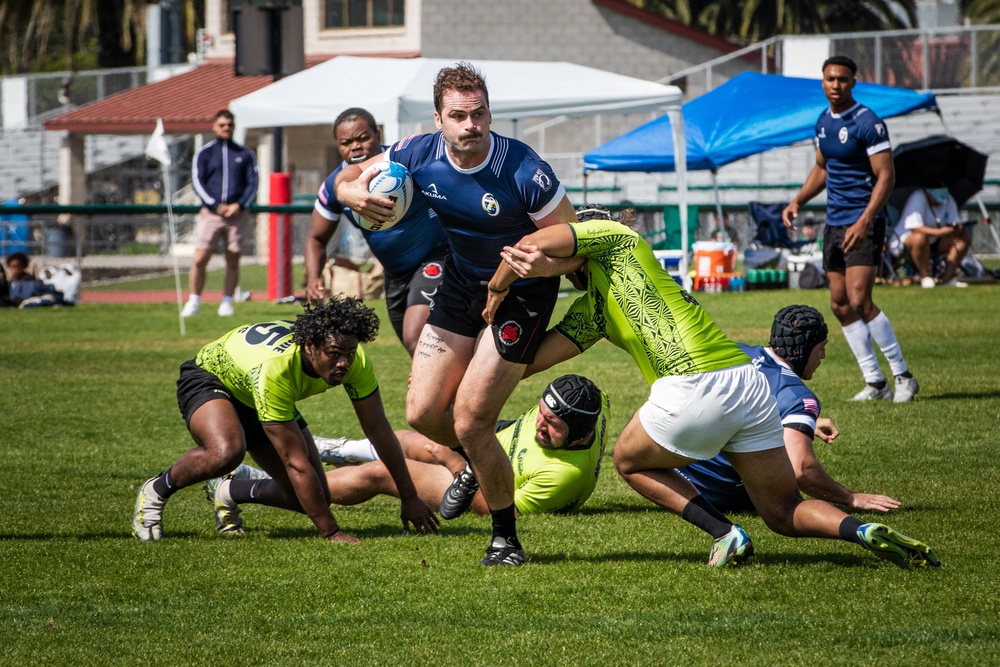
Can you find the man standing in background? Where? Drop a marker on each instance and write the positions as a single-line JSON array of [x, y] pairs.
[[224, 174]]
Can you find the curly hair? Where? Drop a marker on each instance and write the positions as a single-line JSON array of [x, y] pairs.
[[463, 78], [340, 315]]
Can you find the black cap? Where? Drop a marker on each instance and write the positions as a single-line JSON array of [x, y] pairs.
[[795, 332], [576, 401]]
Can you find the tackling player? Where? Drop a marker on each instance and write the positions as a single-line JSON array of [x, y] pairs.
[[238, 395], [705, 395]]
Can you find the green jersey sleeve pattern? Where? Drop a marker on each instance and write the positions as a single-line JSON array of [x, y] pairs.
[[634, 303]]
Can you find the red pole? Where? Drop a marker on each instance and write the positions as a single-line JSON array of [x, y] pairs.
[[279, 270]]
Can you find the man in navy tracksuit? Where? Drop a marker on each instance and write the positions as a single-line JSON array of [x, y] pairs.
[[224, 174]]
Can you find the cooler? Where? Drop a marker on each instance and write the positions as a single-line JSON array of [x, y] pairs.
[[714, 258], [671, 261]]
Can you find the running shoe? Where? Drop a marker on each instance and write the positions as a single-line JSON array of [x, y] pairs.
[[731, 549], [906, 389], [897, 548], [928, 283], [226, 309], [501, 552], [147, 520], [190, 309], [458, 498], [870, 393], [227, 513]]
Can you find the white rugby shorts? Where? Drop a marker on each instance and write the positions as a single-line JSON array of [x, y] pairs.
[[697, 416]]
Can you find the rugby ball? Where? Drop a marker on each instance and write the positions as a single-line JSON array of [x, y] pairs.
[[394, 182]]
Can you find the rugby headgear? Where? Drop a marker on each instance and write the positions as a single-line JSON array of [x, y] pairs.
[[576, 401], [795, 332], [593, 212]]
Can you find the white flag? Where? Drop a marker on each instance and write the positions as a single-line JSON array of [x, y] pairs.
[[156, 147]]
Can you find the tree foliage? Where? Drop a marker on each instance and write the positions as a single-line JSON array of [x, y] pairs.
[[754, 20], [63, 34]]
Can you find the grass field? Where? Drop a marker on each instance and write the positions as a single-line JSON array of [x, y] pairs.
[[90, 412]]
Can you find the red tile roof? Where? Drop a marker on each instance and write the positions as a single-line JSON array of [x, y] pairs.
[[662, 22], [186, 103]]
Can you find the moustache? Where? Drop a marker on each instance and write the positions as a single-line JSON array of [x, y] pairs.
[[470, 135]]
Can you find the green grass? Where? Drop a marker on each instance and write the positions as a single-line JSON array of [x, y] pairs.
[[90, 412]]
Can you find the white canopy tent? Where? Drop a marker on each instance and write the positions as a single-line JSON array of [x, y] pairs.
[[399, 94], [399, 91]]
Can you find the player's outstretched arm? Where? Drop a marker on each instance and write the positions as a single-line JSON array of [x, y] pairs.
[[413, 511], [290, 444], [813, 479]]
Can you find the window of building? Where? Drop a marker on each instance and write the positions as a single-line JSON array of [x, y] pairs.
[[230, 6], [364, 13]]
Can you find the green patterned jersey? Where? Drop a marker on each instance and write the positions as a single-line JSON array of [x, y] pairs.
[[552, 480], [634, 303], [261, 365]]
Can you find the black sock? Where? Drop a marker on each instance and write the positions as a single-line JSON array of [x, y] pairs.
[[849, 529], [878, 385], [505, 525], [907, 374], [701, 513], [164, 485]]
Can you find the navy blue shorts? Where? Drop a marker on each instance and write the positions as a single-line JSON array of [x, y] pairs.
[[520, 322]]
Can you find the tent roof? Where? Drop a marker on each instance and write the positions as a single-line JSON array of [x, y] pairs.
[[400, 91], [186, 103], [749, 114]]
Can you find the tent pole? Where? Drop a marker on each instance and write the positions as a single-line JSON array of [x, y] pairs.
[[680, 168], [718, 202]]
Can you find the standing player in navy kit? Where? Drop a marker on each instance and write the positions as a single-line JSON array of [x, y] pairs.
[[854, 164], [411, 251], [488, 191]]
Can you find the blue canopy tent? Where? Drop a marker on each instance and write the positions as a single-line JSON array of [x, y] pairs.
[[749, 114]]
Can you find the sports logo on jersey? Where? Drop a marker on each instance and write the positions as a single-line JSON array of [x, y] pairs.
[[491, 205], [822, 133], [879, 129], [510, 333], [550, 401], [811, 405], [432, 270], [542, 179], [842, 135], [432, 192]]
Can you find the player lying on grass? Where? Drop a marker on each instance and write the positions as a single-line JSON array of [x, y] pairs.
[[555, 449], [238, 396], [705, 395], [796, 349]]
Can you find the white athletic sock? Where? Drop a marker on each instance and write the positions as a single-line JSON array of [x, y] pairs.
[[359, 450], [860, 341], [883, 335]]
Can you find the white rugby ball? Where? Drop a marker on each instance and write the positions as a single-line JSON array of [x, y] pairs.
[[394, 182]]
